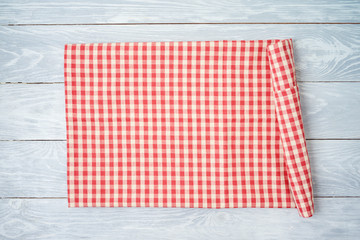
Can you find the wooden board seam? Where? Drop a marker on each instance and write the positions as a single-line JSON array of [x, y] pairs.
[[180, 23], [66, 197], [320, 81]]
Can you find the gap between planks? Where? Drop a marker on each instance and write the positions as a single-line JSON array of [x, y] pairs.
[[350, 81], [64, 140], [179, 23], [1, 198]]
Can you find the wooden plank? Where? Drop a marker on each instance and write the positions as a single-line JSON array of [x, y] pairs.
[[178, 11], [37, 111], [328, 109], [335, 167], [322, 52], [51, 219], [32, 111], [38, 168], [33, 169]]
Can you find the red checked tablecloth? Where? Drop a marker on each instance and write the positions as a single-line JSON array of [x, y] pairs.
[[197, 124]]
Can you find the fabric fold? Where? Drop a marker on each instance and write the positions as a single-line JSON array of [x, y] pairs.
[[288, 112]]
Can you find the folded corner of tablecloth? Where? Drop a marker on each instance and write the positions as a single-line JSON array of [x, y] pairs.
[[288, 111]]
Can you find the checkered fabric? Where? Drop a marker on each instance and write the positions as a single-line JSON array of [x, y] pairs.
[[197, 124]]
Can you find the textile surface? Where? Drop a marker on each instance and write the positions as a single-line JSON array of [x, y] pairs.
[[197, 124]]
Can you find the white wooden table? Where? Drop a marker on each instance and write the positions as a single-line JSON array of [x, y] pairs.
[[33, 202]]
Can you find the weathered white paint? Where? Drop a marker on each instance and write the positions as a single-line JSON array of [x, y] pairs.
[[322, 52], [177, 11], [51, 219]]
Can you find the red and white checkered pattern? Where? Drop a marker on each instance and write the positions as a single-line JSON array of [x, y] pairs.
[[203, 124]]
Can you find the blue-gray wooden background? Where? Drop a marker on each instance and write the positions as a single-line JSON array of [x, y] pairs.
[[33, 202]]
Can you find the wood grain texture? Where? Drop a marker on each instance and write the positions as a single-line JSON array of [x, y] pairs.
[[335, 167], [322, 52], [178, 11], [328, 109], [38, 168], [32, 111], [33, 169], [37, 111], [51, 219]]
